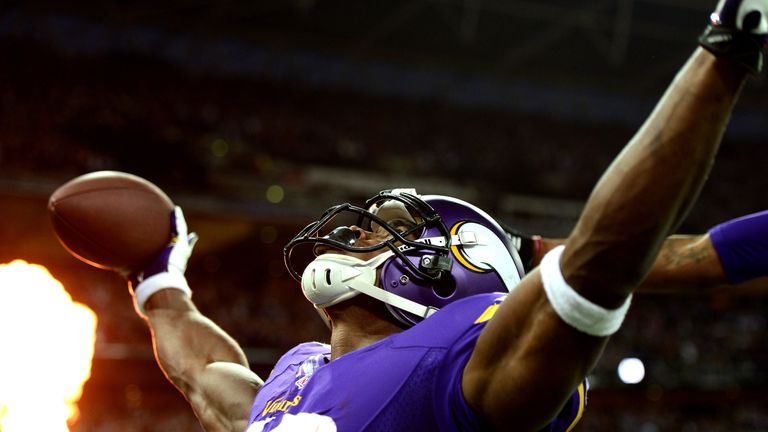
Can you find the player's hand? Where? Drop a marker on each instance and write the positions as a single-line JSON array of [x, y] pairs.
[[738, 30], [175, 256], [167, 269]]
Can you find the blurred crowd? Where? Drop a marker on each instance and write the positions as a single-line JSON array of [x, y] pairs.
[[197, 132]]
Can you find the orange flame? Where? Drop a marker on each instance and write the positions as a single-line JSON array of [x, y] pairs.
[[46, 348]]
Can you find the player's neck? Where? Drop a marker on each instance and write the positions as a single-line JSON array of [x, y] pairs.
[[357, 324]]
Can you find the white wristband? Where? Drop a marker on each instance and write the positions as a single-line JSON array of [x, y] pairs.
[[165, 280], [575, 310]]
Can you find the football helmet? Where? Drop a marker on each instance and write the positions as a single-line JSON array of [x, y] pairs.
[[428, 251]]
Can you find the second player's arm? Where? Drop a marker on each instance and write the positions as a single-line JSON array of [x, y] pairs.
[[202, 361], [684, 263]]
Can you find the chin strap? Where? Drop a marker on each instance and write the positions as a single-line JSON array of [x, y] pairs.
[[392, 299], [333, 278]]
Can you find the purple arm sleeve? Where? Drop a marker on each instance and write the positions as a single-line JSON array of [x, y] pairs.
[[742, 246]]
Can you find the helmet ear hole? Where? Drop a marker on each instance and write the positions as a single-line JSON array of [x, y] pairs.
[[445, 287]]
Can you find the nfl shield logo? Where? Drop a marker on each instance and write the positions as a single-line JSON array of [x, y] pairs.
[[301, 382]]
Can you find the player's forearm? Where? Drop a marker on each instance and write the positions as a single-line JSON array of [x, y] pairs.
[[650, 186], [185, 341], [685, 263]]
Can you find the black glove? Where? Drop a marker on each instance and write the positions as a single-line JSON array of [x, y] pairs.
[[737, 31]]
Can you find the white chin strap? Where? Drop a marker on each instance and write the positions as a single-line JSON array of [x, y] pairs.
[[333, 278]]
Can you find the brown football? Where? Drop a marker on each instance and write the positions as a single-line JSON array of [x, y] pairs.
[[112, 220]]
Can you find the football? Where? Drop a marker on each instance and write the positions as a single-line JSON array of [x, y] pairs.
[[112, 220]]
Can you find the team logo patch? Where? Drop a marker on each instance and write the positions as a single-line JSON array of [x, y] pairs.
[[301, 382], [307, 369]]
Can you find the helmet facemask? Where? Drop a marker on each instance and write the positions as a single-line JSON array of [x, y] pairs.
[[398, 218]]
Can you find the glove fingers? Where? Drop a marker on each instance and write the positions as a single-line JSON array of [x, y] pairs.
[[754, 21], [744, 15], [192, 240], [178, 223], [727, 11]]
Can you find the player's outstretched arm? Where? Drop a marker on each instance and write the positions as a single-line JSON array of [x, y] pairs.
[[650, 186], [684, 262], [548, 333], [730, 253], [197, 356]]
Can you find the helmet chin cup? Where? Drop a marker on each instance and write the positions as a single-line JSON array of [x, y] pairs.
[[328, 279], [333, 278]]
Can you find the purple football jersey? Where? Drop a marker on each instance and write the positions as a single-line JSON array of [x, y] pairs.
[[410, 381]]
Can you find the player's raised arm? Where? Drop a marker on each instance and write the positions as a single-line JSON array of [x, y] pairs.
[[649, 188], [550, 330], [197, 356]]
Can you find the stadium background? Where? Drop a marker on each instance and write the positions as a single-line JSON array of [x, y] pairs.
[[256, 116]]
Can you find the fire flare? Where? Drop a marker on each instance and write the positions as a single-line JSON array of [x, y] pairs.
[[46, 348]]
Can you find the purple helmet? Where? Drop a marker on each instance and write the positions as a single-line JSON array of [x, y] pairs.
[[440, 249]]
